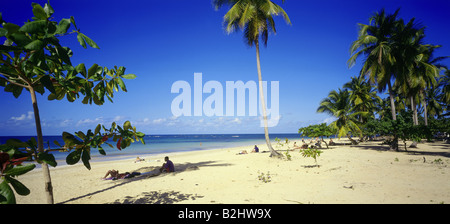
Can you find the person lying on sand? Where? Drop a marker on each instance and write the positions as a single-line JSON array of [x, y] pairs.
[[242, 152], [139, 160], [296, 146], [304, 145], [115, 175], [168, 166]]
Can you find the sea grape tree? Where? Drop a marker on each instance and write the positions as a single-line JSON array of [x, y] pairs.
[[33, 59]]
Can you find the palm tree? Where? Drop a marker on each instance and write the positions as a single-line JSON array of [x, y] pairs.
[[444, 83], [407, 48], [433, 106], [427, 67], [362, 95], [338, 104], [375, 42], [255, 18]]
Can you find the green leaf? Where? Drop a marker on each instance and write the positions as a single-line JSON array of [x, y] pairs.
[[45, 80], [97, 129], [57, 143], [121, 84], [129, 76], [101, 151], [63, 26], [70, 139], [85, 158], [127, 125], [20, 39], [16, 90], [19, 170], [73, 157], [19, 187], [89, 41], [3, 32], [51, 96], [16, 143], [72, 20], [92, 70], [39, 12], [47, 158], [35, 45], [64, 54], [81, 69], [81, 40], [34, 26], [48, 9], [6, 193]]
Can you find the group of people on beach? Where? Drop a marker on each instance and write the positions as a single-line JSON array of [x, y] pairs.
[[167, 167], [312, 143], [255, 149]]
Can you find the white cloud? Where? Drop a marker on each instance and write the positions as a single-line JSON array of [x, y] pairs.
[[23, 117], [89, 121], [118, 118], [159, 121], [236, 121]]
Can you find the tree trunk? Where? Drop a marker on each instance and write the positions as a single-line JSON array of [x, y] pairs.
[[413, 108], [45, 168], [415, 113], [263, 104], [415, 121], [391, 96], [394, 144], [425, 113]]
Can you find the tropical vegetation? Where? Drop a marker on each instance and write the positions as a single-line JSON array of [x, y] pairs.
[[33, 59], [394, 58]]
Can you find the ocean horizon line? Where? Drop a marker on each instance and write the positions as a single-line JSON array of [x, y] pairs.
[[281, 133]]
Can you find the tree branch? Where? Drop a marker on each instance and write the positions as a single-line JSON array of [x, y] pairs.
[[15, 83]]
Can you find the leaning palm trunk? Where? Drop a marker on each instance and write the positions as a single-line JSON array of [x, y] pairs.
[[45, 168], [263, 104]]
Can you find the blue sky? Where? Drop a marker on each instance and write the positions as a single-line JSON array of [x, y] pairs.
[[166, 41]]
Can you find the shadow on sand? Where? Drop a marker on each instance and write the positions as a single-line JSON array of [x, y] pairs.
[[435, 149], [154, 196]]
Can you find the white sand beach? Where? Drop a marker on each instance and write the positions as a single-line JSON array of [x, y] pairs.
[[367, 173]]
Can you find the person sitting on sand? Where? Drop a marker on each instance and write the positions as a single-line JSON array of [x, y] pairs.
[[168, 166], [331, 142], [318, 143], [256, 149]]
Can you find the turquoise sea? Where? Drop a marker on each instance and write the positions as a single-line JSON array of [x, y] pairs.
[[160, 144]]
